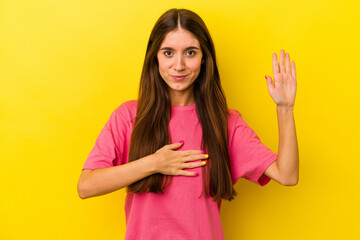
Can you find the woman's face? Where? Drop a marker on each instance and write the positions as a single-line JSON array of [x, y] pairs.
[[179, 60]]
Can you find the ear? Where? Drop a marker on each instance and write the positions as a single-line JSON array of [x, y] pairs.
[[202, 61]]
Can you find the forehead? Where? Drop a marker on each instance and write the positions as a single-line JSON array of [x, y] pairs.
[[180, 38]]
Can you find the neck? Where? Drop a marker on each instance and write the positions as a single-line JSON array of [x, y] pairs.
[[182, 98]]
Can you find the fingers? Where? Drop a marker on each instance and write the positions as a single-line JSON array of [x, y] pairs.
[[190, 165], [174, 145], [183, 152], [190, 161], [193, 164], [288, 63], [190, 152], [195, 157], [275, 65], [282, 62], [284, 65], [187, 173], [293, 70], [270, 84]]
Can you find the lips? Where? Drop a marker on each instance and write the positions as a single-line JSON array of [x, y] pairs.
[[179, 77]]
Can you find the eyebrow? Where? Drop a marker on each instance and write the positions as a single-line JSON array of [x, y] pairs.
[[188, 48]]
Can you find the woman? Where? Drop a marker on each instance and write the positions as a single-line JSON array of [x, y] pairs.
[[178, 149]]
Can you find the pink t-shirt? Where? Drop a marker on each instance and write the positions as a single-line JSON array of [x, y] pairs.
[[182, 211]]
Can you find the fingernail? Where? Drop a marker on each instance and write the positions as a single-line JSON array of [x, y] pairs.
[[202, 151], [181, 141], [206, 155], [203, 162], [265, 77], [196, 174]]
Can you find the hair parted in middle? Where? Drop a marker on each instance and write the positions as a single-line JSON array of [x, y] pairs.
[[151, 129]]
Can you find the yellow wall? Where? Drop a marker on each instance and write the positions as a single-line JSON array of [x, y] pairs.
[[66, 65]]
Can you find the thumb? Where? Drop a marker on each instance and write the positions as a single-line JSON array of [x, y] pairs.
[[269, 83], [175, 145]]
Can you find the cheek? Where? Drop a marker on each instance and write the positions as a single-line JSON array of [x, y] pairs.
[[163, 63], [195, 65], [163, 69]]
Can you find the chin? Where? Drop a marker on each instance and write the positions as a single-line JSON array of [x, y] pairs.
[[178, 89], [180, 86]]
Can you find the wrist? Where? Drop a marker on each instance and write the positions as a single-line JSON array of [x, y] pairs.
[[150, 162], [283, 108]]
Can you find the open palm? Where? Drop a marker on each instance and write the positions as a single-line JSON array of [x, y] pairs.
[[283, 89]]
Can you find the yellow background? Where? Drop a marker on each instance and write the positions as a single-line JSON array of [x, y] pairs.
[[66, 65]]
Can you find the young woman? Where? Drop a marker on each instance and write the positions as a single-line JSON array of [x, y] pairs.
[[178, 148]]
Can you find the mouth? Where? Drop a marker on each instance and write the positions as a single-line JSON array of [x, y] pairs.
[[179, 77]]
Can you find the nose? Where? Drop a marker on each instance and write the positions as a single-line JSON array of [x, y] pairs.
[[179, 64]]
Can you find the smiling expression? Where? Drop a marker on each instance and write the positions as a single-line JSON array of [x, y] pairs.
[[179, 60]]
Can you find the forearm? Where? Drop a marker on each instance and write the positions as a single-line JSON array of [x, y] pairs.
[[105, 180], [288, 153]]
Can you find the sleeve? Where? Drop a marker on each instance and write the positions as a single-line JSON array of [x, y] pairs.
[[110, 146], [249, 157]]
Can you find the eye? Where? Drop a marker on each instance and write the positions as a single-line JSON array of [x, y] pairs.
[[193, 52], [165, 53]]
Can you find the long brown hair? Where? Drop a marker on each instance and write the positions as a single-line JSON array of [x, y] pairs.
[[151, 129]]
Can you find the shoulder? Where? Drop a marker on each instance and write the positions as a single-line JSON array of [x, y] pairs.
[[235, 120], [233, 116], [127, 109], [128, 105], [123, 114]]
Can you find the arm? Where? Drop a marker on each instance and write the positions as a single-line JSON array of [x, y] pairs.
[[165, 160], [105, 180], [285, 169]]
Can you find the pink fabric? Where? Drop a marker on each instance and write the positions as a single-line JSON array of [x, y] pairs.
[[182, 211]]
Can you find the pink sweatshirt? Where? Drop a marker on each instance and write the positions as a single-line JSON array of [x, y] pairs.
[[182, 211]]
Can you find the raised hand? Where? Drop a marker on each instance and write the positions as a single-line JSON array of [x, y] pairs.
[[283, 89]]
